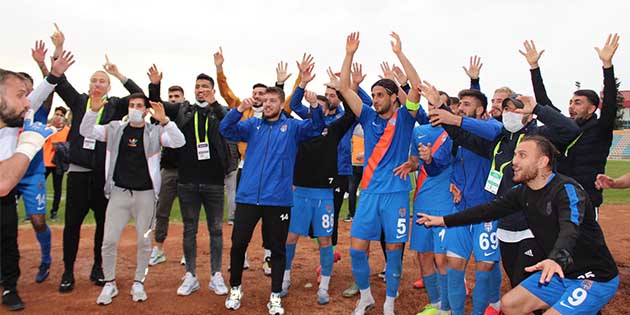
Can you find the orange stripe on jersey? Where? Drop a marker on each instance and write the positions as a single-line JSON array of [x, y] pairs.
[[379, 151], [423, 173]]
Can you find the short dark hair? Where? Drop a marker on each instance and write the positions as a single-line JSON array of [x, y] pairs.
[[176, 88], [62, 109], [27, 76], [277, 91], [546, 148], [448, 98], [476, 94], [389, 85], [453, 100], [259, 85], [323, 99], [138, 95], [203, 76], [591, 95]]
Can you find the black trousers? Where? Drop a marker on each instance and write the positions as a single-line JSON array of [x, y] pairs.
[[9, 253], [340, 189], [517, 256], [57, 180], [238, 179], [84, 192], [353, 188], [275, 227]]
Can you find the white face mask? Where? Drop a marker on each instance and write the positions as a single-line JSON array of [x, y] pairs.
[[202, 105], [513, 122], [135, 116]]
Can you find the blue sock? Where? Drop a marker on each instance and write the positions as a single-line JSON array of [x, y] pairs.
[[433, 287], [495, 284], [44, 242], [393, 269], [290, 253], [481, 292], [360, 268], [456, 290], [444, 292], [326, 260]]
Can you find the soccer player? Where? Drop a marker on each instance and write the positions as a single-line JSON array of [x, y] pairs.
[[577, 274]]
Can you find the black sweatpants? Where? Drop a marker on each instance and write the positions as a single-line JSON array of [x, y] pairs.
[[517, 256], [340, 189], [57, 180], [238, 179], [275, 227], [84, 192], [9, 253]]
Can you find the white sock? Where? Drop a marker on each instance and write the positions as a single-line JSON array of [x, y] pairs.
[[437, 305], [496, 305], [287, 275], [323, 283], [267, 253], [366, 295], [389, 302]]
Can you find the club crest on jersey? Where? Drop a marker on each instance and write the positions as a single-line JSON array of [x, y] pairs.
[[392, 122], [133, 142], [329, 208], [487, 226], [586, 284], [402, 212], [325, 131], [283, 128], [40, 184]]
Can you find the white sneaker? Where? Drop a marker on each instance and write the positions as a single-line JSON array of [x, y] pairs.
[[183, 261], [108, 292], [274, 306], [189, 285], [266, 267], [286, 284], [157, 257], [137, 292], [233, 302], [323, 297], [363, 306], [217, 284]]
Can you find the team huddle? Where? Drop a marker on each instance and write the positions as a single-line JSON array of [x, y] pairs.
[[511, 181]]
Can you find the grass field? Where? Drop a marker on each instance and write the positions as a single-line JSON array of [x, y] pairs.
[[613, 168]]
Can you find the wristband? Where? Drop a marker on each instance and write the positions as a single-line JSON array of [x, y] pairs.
[[411, 105], [29, 143]]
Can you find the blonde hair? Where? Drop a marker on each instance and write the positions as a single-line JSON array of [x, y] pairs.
[[504, 89]]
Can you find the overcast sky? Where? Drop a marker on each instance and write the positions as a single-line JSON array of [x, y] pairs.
[[437, 36]]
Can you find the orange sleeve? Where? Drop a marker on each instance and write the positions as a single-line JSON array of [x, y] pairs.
[[287, 101], [225, 91]]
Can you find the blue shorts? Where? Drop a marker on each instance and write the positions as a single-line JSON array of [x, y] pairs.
[[572, 296], [312, 206], [33, 191], [387, 212], [480, 239]]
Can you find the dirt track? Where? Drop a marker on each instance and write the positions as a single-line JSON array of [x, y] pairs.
[[163, 280]]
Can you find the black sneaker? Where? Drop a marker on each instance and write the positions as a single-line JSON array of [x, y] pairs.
[[12, 300], [43, 273], [67, 282], [97, 276], [53, 216], [347, 219]]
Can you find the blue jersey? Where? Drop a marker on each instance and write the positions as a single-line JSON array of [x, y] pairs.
[[434, 195], [383, 179], [37, 163]]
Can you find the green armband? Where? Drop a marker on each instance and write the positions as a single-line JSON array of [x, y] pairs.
[[411, 105]]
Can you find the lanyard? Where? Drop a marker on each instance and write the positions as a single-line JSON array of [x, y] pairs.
[[566, 152], [196, 119], [100, 111], [496, 149]]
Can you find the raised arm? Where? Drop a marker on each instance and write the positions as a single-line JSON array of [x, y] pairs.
[[559, 129], [345, 87], [532, 55], [46, 87], [232, 128], [171, 136], [306, 73], [609, 108], [412, 74], [473, 70], [224, 89], [39, 55], [112, 69], [89, 127]]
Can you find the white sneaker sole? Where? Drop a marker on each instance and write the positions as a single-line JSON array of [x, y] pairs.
[[108, 301], [216, 290], [188, 293]]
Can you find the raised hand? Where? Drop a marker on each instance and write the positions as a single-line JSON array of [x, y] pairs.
[[607, 52], [39, 52], [281, 73], [531, 54], [474, 67], [112, 69], [425, 153], [388, 73], [429, 220], [307, 61], [159, 113], [334, 80], [218, 58], [155, 76], [356, 74], [352, 43], [58, 39], [430, 92], [529, 105], [311, 98], [548, 267], [59, 66], [399, 75], [246, 104], [396, 45]]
